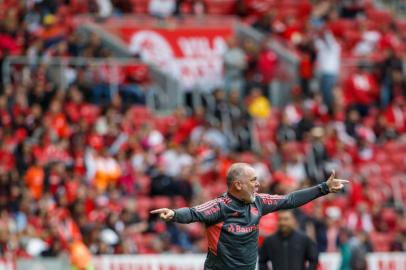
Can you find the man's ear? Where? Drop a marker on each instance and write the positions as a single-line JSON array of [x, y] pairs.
[[238, 185]]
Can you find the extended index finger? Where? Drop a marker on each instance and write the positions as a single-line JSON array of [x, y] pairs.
[[158, 211], [342, 181]]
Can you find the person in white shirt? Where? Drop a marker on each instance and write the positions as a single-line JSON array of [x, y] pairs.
[[175, 159], [162, 8], [235, 63], [329, 60]]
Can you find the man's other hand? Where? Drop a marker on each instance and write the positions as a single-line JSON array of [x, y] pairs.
[[334, 184], [164, 213]]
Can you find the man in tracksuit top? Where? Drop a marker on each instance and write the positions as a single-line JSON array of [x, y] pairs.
[[232, 219]]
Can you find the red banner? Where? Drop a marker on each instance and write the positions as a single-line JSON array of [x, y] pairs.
[[194, 55]]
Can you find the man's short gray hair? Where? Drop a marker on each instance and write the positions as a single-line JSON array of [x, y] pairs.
[[236, 171]]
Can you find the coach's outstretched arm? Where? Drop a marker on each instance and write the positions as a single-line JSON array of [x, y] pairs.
[[208, 213], [298, 198]]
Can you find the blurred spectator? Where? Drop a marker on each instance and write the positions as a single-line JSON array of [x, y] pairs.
[[395, 115], [333, 222], [351, 8], [285, 131], [264, 24], [195, 7], [328, 58], [54, 250], [162, 8], [360, 219], [360, 246], [175, 159], [122, 6], [294, 111], [305, 125], [295, 167], [368, 42], [258, 105], [308, 55], [345, 249], [34, 179], [362, 90], [220, 105], [210, 135], [234, 65], [105, 8], [391, 81], [80, 256], [267, 65], [317, 155], [399, 243], [316, 228], [239, 120]]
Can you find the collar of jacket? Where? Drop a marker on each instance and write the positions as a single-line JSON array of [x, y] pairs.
[[241, 202]]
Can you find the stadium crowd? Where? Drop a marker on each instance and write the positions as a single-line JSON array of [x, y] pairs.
[[79, 164]]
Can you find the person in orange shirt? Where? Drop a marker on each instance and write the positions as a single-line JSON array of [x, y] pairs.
[[107, 171], [34, 178], [81, 258], [53, 32]]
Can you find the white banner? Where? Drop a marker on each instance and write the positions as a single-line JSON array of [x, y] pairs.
[[6, 264], [387, 261], [150, 262], [328, 261]]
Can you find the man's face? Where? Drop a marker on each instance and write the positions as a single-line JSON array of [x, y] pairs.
[[249, 184], [286, 221]]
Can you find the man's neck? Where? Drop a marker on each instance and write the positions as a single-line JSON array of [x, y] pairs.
[[235, 194]]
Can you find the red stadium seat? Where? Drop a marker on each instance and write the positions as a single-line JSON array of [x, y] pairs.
[[374, 181], [79, 6], [196, 230], [351, 37], [381, 241], [140, 115], [163, 124], [144, 185], [140, 6], [391, 147], [220, 7], [247, 157], [401, 24], [161, 202], [144, 242], [179, 202], [144, 205], [380, 15], [399, 160], [389, 217], [380, 156], [387, 170]]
